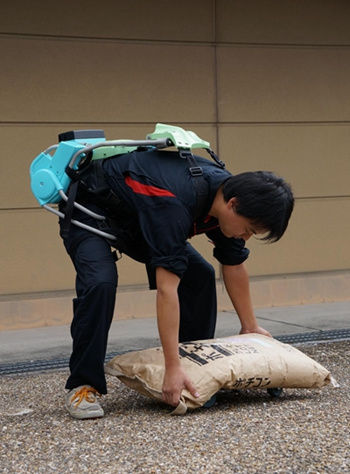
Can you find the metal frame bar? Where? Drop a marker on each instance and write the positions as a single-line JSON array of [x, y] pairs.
[[161, 143], [80, 224]]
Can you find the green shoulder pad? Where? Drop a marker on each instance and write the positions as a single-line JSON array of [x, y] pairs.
[[181, 138]]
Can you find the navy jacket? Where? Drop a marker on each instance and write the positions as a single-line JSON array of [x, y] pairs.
[[158, 187]]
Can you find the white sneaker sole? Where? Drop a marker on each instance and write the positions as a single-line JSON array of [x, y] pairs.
[[85, 414]]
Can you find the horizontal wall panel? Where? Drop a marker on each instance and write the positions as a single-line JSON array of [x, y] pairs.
[[22, 143], [39, 261], [32, 255], [315, 159], [314, 22], [87, 81], [287, 21], [317, 239], [155, 20], [272, 84]]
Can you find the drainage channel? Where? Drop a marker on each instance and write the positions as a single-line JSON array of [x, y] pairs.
[[18, 368]]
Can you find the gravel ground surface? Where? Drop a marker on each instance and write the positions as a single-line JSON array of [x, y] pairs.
[[304, 431]]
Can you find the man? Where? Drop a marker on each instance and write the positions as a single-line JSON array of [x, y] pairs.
[[154, 205]]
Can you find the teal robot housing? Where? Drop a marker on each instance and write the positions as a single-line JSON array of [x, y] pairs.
[[53, 170], [48, 171]]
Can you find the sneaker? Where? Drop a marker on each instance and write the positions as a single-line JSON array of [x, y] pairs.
[[81, 403]]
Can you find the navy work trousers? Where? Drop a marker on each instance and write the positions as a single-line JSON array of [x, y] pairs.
[[93, 307]]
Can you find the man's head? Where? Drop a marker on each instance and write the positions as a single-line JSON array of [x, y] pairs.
[[255, 203]]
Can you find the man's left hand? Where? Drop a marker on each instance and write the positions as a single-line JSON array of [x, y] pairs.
[[256, 330]]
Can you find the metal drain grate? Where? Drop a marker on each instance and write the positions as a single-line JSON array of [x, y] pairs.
[[41, 365], [18, 368], [33, 366], [316, 336]]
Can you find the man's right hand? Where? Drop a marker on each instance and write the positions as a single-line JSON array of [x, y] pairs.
[[175, 380], [168, 318]]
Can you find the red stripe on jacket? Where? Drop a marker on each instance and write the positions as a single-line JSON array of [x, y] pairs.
[[147, 189]]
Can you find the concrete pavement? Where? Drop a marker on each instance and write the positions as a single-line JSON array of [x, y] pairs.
[[135, 334]]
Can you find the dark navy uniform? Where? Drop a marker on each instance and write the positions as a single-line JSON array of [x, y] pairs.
[[158, 216]]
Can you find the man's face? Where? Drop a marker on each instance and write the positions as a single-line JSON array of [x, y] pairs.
[[235, 225]]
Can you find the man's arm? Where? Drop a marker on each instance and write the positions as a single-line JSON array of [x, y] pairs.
[[237, 285], [168, 318]]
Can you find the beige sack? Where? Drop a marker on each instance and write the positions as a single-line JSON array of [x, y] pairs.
[[249, 361]]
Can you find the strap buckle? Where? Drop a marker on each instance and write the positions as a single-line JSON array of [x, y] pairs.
[[196, 171], [185, 154]]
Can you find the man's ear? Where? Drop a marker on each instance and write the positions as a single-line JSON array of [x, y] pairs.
[[232, 203]]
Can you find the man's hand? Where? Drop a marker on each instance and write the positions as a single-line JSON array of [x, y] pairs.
[[175, 380], [257, 330]]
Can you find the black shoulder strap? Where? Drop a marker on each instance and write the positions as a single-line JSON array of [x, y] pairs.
[[68, 209], [200, 184], [215, 157], [76, 185]]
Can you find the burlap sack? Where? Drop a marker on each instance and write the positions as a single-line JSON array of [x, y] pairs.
[[249, 361]]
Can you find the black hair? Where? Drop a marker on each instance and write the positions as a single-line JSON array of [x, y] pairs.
[[264, 198]]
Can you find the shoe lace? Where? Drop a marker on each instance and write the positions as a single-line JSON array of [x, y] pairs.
[[85, 393]]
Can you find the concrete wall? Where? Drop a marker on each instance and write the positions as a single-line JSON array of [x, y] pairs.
[[266, 81]]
